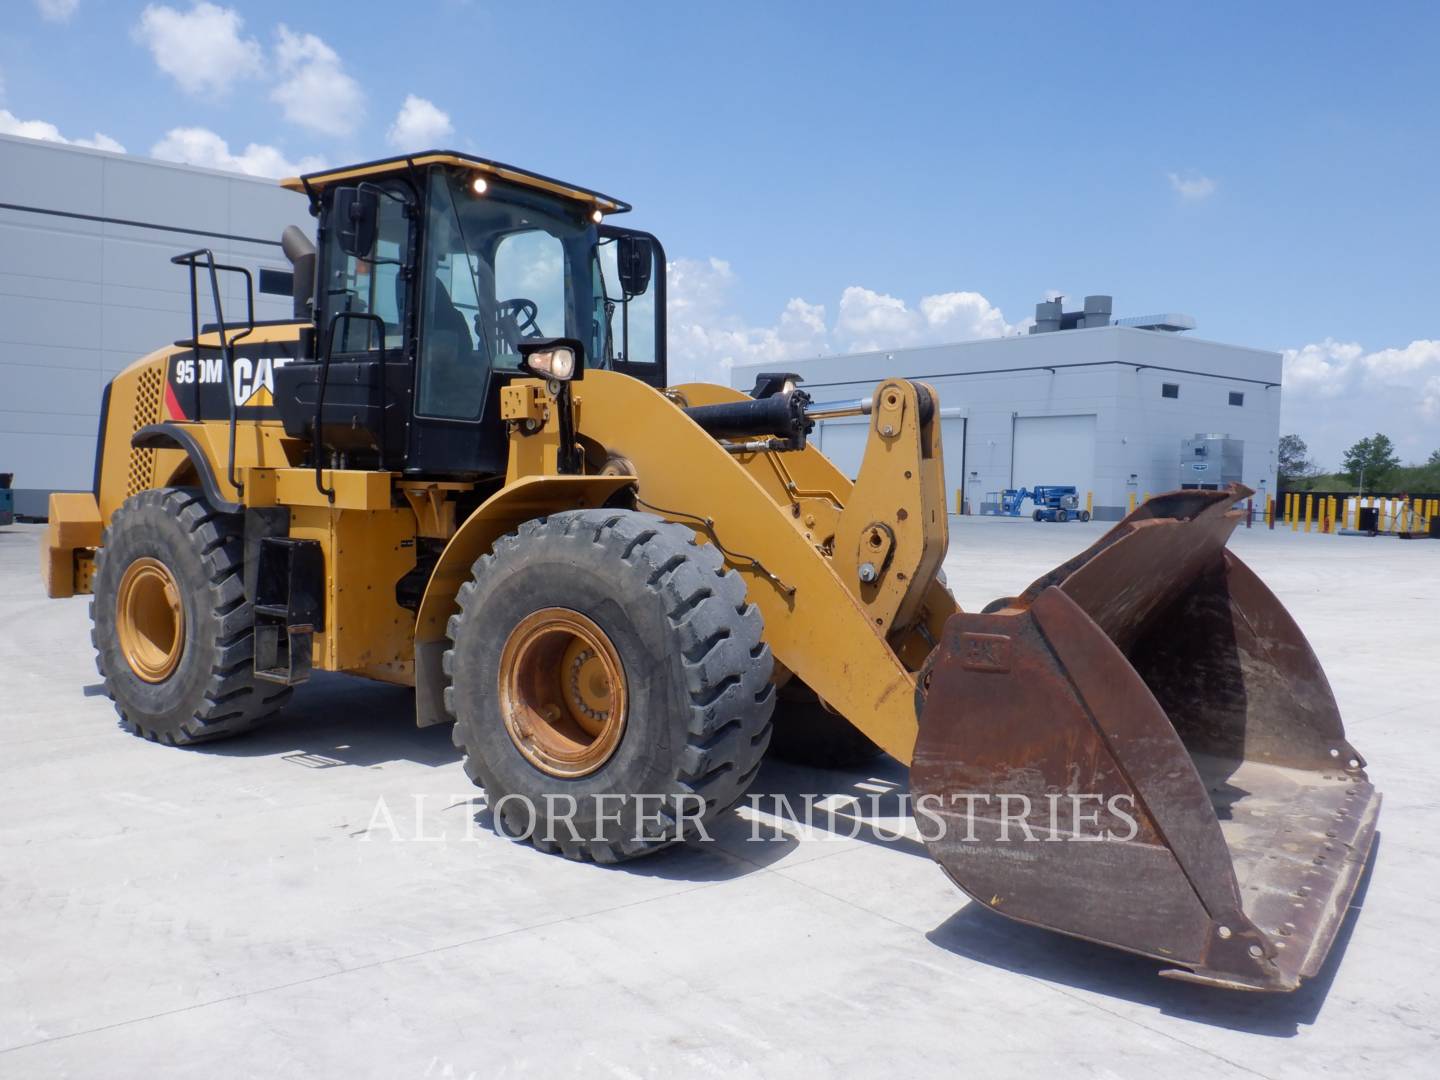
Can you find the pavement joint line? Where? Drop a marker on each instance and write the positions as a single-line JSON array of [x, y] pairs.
[[1045, 984], [240, 995]]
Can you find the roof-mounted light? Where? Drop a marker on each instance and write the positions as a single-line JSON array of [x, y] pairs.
[[479, 185]]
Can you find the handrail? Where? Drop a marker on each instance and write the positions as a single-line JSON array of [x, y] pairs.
[[368, 316], [192, 259]]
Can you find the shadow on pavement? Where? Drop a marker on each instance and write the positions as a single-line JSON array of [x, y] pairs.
[[981, 935], [335, 720]]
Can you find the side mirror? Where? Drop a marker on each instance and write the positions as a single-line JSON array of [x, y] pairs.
[[634, 255], [357, 220]]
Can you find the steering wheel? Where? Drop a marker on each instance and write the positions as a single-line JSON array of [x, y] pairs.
[[517, 319]]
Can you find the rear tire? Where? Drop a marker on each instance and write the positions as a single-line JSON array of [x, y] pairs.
[[172, 629], [693, 702], [807, 733], [1037, 516], [1084, 516], [1062, 516]]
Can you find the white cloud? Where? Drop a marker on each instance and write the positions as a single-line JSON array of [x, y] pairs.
[[707, 337], [1192, 186], [1430, 400], [317, 92], [10, 124], [201, 49], [57, 10], [419, 125], [1335, 392], [871, 321], [199, 146]]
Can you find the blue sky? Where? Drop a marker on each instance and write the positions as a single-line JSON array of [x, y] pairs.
[[833, 176]]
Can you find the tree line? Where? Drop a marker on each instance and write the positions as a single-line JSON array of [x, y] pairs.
[[1371, 464]]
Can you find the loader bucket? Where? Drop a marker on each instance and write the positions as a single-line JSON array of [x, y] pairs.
[[1141, 750]]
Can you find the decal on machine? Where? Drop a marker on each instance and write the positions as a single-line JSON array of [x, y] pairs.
[[196, 386]]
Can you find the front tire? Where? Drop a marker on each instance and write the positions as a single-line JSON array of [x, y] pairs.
[[172, 629], [609, 682]]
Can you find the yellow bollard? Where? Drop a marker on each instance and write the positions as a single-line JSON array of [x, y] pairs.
[[1270, 511], [1384, 515], [1089, 502], [1286, 512], [1132, 502], [1334, 513], [1292, 514], [1309, 510]]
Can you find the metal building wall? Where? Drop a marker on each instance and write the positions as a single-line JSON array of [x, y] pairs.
[[86, 286]]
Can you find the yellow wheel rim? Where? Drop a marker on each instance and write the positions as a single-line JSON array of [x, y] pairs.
[[150, 619], [562, 692]]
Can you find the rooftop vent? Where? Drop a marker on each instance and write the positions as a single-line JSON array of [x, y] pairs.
[[1050, 315]]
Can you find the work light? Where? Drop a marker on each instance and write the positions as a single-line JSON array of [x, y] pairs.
[[552, 358]]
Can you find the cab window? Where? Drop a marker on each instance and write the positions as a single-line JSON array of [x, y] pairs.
[[371, 284], [627, 320], [500, 266]]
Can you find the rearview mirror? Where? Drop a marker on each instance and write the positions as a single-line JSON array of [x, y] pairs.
[[634, 255], [357, 217]]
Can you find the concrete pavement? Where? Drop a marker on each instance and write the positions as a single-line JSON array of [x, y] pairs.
[[316, 899]]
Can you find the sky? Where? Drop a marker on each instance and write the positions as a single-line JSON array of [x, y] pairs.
[[828, 177]]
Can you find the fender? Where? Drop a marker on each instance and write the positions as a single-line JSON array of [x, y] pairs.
[[167, 436], [530, 498]]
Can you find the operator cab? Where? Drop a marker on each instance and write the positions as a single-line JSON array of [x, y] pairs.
[[431, 272]]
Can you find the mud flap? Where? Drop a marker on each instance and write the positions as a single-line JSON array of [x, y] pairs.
[[1142, 750]]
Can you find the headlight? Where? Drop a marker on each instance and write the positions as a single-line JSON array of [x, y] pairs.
[[556, 363], [558, 359]]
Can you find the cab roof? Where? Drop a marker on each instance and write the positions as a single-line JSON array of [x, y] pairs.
[[524, 177]]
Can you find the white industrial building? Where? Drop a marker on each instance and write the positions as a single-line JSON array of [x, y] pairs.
[[86, 286], [1105, 405]]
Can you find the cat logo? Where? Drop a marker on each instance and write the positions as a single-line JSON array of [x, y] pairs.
[[255, 381]]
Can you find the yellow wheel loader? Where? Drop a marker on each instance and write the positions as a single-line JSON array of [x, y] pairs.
[[460, 466]]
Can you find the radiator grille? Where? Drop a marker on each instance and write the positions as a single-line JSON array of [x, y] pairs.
[[147, 411]]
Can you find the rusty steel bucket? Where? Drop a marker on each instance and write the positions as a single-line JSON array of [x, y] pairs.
[[1142, 750]]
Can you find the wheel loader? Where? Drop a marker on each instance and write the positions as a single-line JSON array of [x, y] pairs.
[[460, 466]]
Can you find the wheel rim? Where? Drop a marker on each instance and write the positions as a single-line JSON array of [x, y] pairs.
[[562, 692], [150, 619]]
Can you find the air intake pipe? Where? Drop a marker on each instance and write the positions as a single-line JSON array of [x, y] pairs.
[[300, 250]]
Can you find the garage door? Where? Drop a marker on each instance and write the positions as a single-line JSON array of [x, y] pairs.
[[1055, 450]]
